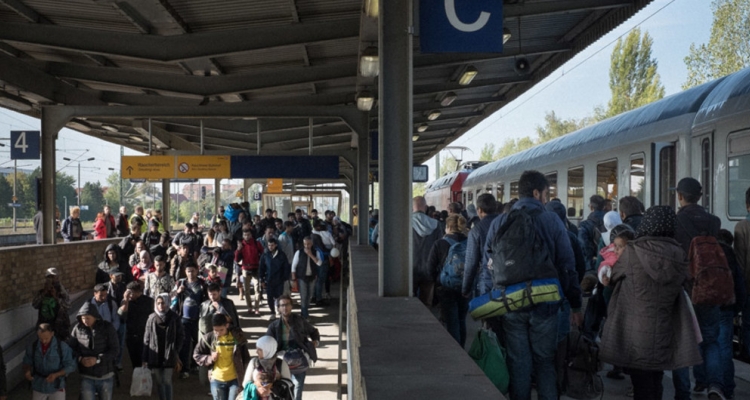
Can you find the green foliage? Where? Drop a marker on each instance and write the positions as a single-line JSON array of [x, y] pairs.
[[6, 195], [633, 79], [555, 127], [488, 152], [91, 196], [448, 164], [728, 47], [418, 189], [513, 146]]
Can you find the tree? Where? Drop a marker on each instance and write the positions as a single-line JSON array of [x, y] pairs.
[[448, 165], [488, 152], [91, 196], [6, 195], [65, 188], [513, 146], [418, 189], [728, 47], [112, 197], [633, 79], [555, 127]]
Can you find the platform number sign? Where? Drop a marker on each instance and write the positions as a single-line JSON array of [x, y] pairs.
[[24, 145]]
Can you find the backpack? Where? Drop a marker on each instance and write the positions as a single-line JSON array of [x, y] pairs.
[[518, 253], [713, 283], [452, 274], [577, 363]]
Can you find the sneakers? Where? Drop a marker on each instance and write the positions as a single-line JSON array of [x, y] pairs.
[[715, 394]]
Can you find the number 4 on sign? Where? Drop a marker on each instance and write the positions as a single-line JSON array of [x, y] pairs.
[[21, 142]]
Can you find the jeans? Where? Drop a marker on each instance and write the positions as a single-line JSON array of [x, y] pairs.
[[531, 340], [252, 289], [563, 321], [58, 395], [646, 384], [304, 295], [710, 372], [89, 388], [746, 327], [121, 337], [321, 280], [726, 351], [224, 390], [454, 307], [191, 339], [163, 382], [299, 385]]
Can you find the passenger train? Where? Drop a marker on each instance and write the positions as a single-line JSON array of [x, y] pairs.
[[703, 132], [448, 188]]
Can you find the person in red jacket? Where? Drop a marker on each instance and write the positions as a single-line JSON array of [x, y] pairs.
[[100, 228], [248, 256]]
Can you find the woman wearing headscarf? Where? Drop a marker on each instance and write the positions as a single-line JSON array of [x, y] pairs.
[[267, 363], [144, 267], [161, 344], [649, 327]]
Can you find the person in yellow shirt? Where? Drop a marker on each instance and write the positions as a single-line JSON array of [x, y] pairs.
[[224, 352]]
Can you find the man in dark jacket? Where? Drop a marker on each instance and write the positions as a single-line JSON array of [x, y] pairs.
[[693, 220], [191, 293], [95, 346], [274, 271], [122, 225], [532, 333], [631, 211], [477, 278], [587, 235], [425, 232], [135, 309]]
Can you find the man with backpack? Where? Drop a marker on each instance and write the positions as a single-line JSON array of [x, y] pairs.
[[589, 231], [46, 363], [697, 232], [477, 278], [527, 246], [425, 232]]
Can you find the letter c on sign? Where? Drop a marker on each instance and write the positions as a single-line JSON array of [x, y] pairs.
[[450, 11]]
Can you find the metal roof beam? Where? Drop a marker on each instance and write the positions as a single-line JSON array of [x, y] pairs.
[[456, 87], [165, 136], [202, 85], [458, 104], [178, 47], [525, 9], [25, 11], [424, 61], [131, 14], [174, 15]]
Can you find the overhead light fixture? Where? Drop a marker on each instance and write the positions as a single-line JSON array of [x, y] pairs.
[[136, 138], [80, 125], [469, 74], [422, 127], [17, 103], [449, 98], [109, 128], [365, 100], [415, 137], [433, 115], [506, 35], [369, 64], [372, 8]]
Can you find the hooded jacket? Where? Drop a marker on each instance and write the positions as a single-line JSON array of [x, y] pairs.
[[100, 341], [693, 220], [102, 273], [477, 278], [586, 237], [425, 232], [649, 324]]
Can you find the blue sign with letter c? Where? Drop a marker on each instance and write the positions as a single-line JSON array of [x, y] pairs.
[[461, 26]]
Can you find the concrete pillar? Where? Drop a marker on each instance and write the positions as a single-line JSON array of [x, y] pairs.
[[362, 176], [166, 204], [217, 198], [395, 147], [52, 122]]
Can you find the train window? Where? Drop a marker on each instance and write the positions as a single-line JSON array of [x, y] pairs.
[[739, 173], [552, 179], [500, 195], [667, 176], [606, 180], [637, 176], [575, 192], [706, 173], [514, 190]]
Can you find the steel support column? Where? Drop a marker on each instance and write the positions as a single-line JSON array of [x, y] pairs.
[[166, 204], [52, 122], [217, 199], [395, 145], [363, 165]]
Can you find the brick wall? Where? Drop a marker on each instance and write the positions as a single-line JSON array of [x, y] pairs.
[[22, 269]]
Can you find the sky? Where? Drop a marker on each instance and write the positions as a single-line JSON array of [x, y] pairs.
[[571, 92]]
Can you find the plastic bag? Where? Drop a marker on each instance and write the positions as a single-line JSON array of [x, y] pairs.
[[487, 353], [141, 385]]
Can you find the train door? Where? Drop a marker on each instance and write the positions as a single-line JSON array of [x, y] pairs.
[[704, 144], [664, 178]]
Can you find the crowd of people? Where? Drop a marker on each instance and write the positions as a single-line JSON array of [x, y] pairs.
[[656, 298], [164, 299]]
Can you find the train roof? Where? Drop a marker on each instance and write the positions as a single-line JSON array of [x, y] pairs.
[[606, 134], [728, 98]]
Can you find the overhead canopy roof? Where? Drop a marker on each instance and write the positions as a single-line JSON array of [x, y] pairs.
[[265, 52]]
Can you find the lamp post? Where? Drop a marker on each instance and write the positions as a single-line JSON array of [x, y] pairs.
[[79, 175], [66, 206]]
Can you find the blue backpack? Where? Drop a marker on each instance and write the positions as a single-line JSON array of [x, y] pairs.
[[452, 274]]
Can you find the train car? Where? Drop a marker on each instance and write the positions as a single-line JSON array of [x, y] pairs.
[[448, 188], [703, 132]]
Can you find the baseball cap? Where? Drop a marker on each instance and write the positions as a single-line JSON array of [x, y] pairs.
[[689, 186], [51, 271]]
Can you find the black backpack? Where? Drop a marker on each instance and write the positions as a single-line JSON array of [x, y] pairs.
[[518, 252], [578, 366]]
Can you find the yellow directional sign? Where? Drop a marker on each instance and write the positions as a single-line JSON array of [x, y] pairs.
[[147, 167], [202, 167], [274, 185]]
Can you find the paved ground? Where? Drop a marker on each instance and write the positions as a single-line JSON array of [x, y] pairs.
[[321, 382]]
